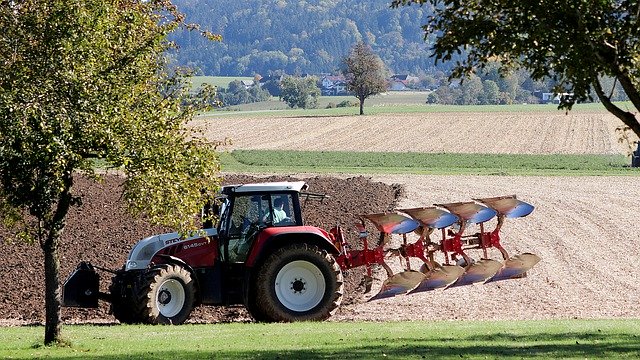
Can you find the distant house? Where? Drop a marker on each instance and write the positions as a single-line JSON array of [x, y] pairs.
[[331, 85], [401, 82], [549, 97], [330, 80], [397, 85], [247, 83]]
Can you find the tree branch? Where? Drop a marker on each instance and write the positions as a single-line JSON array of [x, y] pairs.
[[62, 208], [627, 118], [629, 88]]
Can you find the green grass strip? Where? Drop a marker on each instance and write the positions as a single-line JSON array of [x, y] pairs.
[[549, 339], [425, 163], [394, 104]]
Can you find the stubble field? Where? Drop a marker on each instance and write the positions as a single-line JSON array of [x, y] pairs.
[[544, 132], [584, 228]]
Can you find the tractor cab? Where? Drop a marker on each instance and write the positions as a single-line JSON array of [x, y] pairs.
[[247, 210], [255, 220]]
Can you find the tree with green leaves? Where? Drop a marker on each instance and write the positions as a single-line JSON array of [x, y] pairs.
[[87, 80], [577, 43], [300, 92], [365, 72]]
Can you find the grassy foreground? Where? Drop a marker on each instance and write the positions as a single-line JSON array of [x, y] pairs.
[[421, 163], [558, 339]]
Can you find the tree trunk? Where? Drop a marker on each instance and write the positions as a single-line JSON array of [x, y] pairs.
[[53, 230], [361, 106], [52, 292]]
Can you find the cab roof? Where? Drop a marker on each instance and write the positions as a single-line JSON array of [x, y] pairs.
[[265, 187]]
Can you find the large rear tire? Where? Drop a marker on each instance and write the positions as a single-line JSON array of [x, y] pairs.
[[299, 282], [169, 295]]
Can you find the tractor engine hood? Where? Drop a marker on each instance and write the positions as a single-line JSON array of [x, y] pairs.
[[142, 253]]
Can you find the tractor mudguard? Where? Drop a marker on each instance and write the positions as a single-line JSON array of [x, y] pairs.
[[273, 237], [81, 289]]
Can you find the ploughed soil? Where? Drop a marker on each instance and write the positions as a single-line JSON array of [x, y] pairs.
[[584, 228], [102, 232]]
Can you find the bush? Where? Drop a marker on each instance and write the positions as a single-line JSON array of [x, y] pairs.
[[347, 103]]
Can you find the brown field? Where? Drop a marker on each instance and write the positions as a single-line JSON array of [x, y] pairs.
[[585, 229], [553, 132]]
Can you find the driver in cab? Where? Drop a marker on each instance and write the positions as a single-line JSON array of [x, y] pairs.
[[278, 214]]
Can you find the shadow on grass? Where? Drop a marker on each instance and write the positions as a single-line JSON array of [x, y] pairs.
[[568, 345]]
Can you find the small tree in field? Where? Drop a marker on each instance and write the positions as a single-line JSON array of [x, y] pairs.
[[300, 92], [84, 80], [365, 73]]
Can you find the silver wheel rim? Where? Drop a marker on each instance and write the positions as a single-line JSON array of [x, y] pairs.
[[170, 298], [300, 286]]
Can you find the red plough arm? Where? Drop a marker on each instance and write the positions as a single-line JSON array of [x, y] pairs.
[[424, 221]]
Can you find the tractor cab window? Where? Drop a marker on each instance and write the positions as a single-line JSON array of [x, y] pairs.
[[282, 211], [248, 217]]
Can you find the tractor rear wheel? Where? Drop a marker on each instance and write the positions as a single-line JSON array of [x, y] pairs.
[[299, 282], [169, 294]]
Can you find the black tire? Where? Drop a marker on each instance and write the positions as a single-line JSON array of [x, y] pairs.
[[168, 293], [254, 310], [299, 282], [123, 307]]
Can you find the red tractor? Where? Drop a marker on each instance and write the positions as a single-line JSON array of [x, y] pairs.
[[261, 255]]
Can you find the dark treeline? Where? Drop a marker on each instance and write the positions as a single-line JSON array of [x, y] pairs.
[[298, 37], [277, 37]]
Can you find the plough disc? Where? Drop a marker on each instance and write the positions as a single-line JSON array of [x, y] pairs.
[[472, 212], [432, 217], [399, 284], [508, 206], [515, 267], [478, 272], [439, 278], [392, 223]]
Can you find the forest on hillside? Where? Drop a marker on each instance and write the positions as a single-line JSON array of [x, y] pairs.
[[275, 37], [302, 36]]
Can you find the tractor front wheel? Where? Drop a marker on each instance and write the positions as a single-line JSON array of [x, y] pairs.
[[297, 283], [169, 293]]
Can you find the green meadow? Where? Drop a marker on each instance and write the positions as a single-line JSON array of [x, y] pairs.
[[544, 339], [421, 163]]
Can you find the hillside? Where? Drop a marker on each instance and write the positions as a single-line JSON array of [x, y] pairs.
[[307, 36]]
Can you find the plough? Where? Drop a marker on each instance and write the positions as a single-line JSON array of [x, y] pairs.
[[452, 220]]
